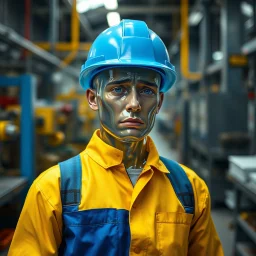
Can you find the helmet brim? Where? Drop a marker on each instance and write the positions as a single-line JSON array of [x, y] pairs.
[[168, 74]]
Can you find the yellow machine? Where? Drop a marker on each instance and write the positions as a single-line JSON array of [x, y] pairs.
[[81, 122], [8, 130]]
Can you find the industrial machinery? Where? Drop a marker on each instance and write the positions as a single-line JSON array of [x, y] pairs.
[[81, 120], [218, 128], [48, 136], [17, 149]]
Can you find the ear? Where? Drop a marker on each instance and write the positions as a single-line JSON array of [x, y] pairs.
[[161, 99], [92, 99]]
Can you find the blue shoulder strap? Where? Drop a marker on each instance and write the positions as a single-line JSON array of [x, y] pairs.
[[71, 177], [181, 184]]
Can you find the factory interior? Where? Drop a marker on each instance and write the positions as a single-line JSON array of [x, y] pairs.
[[207, 121]]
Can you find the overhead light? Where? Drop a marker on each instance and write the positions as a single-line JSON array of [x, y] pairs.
[[195, 18], [113, 18], [86, 5], [249, 24], [247, 9], [57, 77], [218, 55], [111, 4]]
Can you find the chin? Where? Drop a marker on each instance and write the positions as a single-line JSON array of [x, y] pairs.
[[132, 135]]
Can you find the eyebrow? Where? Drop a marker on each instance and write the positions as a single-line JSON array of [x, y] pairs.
[[128, 80], [147, 83], [120, 81]]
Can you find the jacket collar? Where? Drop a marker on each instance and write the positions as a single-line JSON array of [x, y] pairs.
[[108, 156]]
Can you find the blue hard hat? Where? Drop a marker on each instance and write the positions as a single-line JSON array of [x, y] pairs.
[[129, 44]]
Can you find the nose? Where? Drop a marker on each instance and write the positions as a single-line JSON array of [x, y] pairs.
[[133, 104]]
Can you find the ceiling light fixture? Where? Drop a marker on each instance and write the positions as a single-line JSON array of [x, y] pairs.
[[218, 55], [113, 18], [247, 9], [111, 4], [86, 5], [195, 18]]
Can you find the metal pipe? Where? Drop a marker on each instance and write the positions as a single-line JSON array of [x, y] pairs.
[[83, 20], [75, 34], [63, 46], [10, 35], [53, 24], [185, 44], [27, 28], [124, 9]]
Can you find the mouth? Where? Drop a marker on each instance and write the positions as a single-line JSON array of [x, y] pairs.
[[132, 122]]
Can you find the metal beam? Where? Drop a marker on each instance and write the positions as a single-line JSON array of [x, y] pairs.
[[232, 78], [54, 24], [9, 34], [124, 10]]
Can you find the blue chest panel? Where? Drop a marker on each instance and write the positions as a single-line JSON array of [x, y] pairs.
[[96, 232]]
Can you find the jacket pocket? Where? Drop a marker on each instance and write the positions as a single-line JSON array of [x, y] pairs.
[[172, 232]]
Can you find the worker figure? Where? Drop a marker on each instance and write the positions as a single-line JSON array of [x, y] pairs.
[[119, 197]]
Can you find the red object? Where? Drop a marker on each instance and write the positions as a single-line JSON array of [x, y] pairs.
[[67, 109], [27, 18], [27, 23], [6, 101], [251, 95], [6, 236]]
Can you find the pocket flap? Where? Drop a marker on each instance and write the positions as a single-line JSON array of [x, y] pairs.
[[174, 217]]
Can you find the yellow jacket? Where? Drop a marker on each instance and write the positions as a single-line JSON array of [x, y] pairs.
[[157, 220]]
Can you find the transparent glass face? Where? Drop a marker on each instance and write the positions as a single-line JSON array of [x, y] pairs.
[[128, 101]]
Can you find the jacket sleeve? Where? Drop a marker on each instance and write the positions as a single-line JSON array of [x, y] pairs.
[[38, 231], [203, 238]]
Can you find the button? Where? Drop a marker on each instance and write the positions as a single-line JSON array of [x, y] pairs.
[[136, 250]]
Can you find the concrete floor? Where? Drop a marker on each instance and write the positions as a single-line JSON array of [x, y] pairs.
[[222, 217]]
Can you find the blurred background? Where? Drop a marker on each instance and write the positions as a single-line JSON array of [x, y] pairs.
[[207, 122]]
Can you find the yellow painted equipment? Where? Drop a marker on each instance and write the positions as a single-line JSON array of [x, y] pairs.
[[238, 60], [84, 112], [46, 120], [8, 130], [14, 112], [56, 139], [74, 46], [62, 119]]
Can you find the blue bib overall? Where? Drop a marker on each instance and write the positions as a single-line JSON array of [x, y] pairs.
[[105, 231]]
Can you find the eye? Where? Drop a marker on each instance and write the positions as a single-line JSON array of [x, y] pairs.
[[117, 90], [147, 91]]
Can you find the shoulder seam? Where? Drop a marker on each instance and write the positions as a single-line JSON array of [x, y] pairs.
[[45, 172], [44, 196], [204, 202]]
